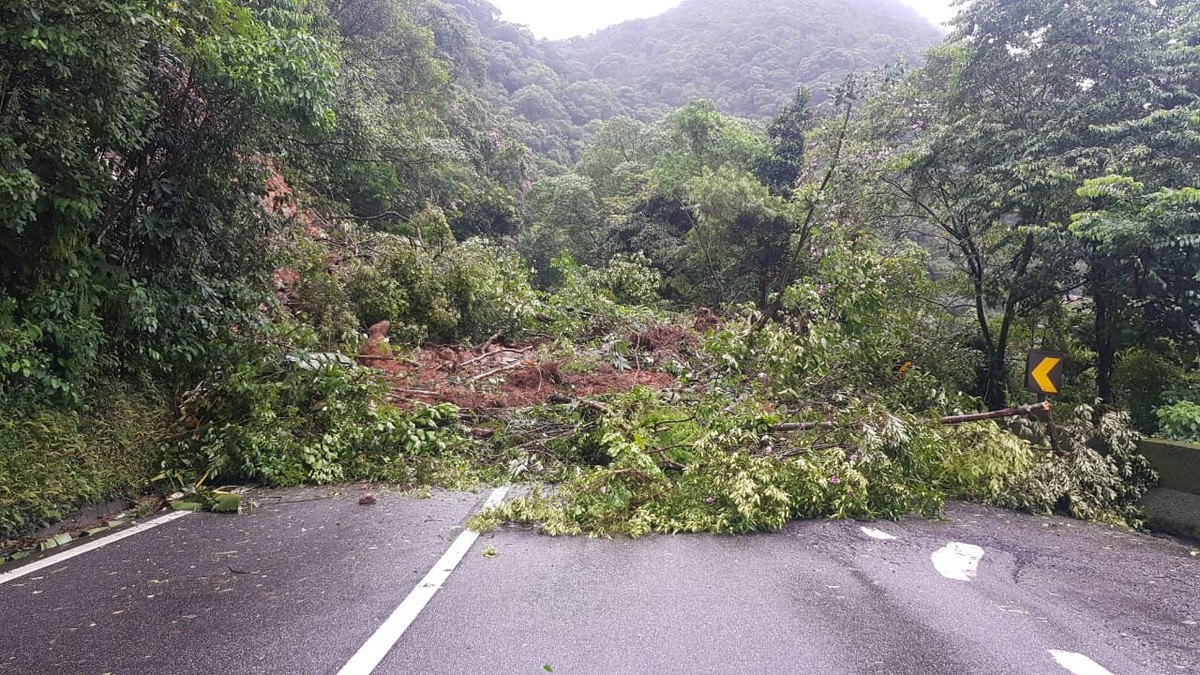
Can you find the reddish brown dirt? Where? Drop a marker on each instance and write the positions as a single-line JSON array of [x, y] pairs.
[[665, 341], [496, 378]]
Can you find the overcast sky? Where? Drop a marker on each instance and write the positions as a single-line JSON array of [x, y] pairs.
[[566, 18]]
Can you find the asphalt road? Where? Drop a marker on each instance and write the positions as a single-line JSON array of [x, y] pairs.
[[301, 585]]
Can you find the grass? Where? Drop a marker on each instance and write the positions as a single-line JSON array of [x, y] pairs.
[[54, 463]]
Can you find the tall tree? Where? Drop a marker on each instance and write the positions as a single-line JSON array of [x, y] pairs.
[[988, 145], [133, 134]]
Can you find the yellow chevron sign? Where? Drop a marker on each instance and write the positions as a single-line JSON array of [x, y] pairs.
[[1044, 373]]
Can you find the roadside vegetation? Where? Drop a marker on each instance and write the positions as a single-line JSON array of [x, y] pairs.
[[291, 242]]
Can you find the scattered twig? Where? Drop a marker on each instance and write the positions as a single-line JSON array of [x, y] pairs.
[[560, 399], [667, 460], [488, 355], [413, 392], [496, 371]]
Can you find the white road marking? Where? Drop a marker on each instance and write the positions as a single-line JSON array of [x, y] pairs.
[[1078, 663], [957, 561], [90, 546], [377, 647], [877, 534]]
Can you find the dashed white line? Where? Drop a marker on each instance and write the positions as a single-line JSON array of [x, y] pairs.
[[90, 546], [957, 561], [1078, 663], [877, 534], [386, 636]]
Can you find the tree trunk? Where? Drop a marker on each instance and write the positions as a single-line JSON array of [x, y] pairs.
[[995, 393], [1106, 348]]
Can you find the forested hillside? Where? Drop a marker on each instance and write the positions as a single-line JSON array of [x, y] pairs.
[[314, 241], [748, 56]]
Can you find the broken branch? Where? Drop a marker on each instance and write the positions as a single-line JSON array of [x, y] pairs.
[[496, 371]]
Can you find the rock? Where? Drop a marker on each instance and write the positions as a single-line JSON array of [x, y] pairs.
[[377, 346]]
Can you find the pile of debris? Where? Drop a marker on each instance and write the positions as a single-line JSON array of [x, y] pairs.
[[499, 376]]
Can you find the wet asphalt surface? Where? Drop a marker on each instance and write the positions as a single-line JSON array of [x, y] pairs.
[[298, 586]]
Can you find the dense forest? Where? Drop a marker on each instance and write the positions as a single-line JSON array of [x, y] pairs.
[[749, 56], [738, 264]]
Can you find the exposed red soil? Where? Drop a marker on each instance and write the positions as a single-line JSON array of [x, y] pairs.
[[495, 377]]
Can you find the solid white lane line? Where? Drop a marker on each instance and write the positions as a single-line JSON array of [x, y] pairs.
[[377, 647], [90, 546], [957, 561], [877, 534], [1078, 663]]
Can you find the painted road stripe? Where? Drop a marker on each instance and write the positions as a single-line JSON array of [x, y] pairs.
[[877, 534], [377, 647], [90, 546], [957, 561], [1078, 663]]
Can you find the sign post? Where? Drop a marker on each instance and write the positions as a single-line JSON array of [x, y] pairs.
[[1044, 373], [1044, 377]]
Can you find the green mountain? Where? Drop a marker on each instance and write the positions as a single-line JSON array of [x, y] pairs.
[[749, 55]]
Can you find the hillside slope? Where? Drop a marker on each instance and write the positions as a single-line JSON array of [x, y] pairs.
[[749, 55]]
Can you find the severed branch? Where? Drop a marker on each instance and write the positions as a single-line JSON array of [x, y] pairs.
[[1040, 410], [496, 371], [488, 355], [790, 427], [560, 399], [1037, 411]]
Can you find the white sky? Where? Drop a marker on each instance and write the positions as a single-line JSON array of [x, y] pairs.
[[566, 18]]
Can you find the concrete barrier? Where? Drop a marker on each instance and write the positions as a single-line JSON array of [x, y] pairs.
[[1174, 506], [1178, 464]]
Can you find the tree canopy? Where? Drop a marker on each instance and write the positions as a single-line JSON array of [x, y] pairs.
[[742, 262]]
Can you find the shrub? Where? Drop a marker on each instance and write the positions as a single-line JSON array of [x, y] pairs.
[[464, 291], [630, 278], [1141, 378], [294, 417], [589, 300], [1101, 476], [1180, 421]]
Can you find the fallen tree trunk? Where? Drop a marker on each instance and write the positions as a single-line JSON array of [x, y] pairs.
[[1039, 410]]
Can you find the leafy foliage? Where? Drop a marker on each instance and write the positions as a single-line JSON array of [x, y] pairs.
[[1180, 421], [299, 417], [717, 466], [1101, 478], [54, 462], [129, 217]]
